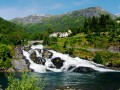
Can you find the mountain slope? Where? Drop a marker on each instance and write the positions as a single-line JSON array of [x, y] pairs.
[[37, 18], [10, 33], [60, 22], [90, 12]]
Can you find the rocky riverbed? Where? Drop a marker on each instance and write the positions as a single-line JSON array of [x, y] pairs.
[[20, 64]]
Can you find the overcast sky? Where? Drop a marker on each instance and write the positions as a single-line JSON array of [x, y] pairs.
[[20, 8]]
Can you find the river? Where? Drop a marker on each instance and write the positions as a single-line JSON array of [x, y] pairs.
[[63, 72], [76, 81]]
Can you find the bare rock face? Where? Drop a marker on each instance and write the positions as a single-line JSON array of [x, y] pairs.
[[20, 65], [18, 52]]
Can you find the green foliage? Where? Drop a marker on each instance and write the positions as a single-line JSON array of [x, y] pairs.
[[65, 44], [11, 33], [6, 54], [53, 39], [46, 40], [97, 25], [56, 23], [69, 51], [27, 82], [98, 58]]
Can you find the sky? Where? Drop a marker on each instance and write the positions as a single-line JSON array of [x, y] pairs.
[[10, 9]]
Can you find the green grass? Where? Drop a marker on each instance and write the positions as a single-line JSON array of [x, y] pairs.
[[84, 49]]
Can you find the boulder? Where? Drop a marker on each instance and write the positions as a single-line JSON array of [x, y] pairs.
[[18, 52], [58, 63], [81, 69], [47, 54], [20, 65], [33, 56], [71, 67], [39, 50], [27, 48], [40, 60]]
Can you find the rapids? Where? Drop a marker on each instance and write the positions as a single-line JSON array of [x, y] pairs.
[[50, 60]]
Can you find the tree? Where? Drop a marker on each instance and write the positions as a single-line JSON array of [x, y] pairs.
[[46, 39]]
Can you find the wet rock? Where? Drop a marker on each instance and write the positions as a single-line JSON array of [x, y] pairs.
[[47, 54], [36, 43], [83, 69], [57, 62], [27, 48], [109, 64], [40, 60], [71, 67], [39, 50], [35, 59], [33, 56], [27, 63]]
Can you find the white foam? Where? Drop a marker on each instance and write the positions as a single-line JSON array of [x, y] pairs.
[[68, 61], [37, 47]]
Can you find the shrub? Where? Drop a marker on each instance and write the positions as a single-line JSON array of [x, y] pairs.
[[6, 54], [98, 59], [26, 82]]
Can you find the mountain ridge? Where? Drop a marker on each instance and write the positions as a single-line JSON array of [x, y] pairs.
[[87, 12], [62, 22]]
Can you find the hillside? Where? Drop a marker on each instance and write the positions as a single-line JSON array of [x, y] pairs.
[[10, 33], [37, 18], [61, 22]]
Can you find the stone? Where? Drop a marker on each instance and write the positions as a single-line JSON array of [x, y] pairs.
[[83, 69], [27, 48], [19, 65], [71, 67], [40, 60], [47, 54], [33, 56], [18, 52], [58, 63]]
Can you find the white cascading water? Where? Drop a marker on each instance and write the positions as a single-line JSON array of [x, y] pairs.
[[67, 61]]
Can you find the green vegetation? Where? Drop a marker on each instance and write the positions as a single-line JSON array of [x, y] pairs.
[[25, 82], [6, 54], [98, 58], [90, 34], [56, 23], [10, 35], [79, 46]]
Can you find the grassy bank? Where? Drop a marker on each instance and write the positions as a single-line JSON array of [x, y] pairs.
[[79, 46]]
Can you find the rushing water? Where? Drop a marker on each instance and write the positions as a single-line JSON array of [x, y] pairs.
[[58, 62], [77, 81], [59, 71]]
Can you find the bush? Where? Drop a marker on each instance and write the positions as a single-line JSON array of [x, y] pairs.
[[26, 82], [6, 54], [98, 59]]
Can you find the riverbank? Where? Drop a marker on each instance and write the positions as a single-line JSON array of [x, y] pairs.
[[20, 64]]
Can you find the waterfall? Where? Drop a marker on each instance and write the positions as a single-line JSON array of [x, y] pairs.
[[50, 60]]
